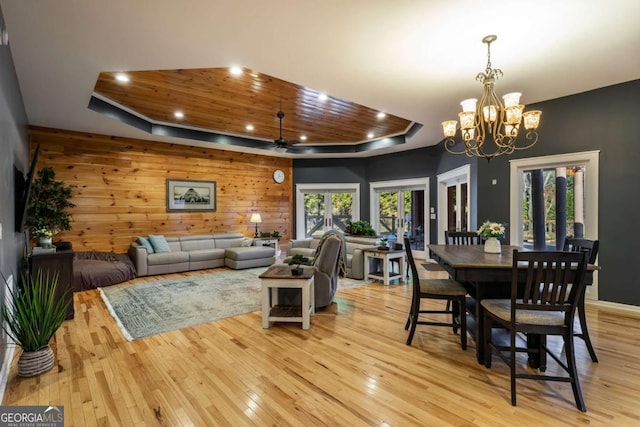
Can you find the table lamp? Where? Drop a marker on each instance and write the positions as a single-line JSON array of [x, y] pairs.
[[255, 218]]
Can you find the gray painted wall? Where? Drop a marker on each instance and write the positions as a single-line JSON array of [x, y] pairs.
[[606, 119], [14, 148]]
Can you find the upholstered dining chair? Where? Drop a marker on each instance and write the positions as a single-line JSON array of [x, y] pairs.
[[439, 289], [590, 247], [552, 287], [462, 238]]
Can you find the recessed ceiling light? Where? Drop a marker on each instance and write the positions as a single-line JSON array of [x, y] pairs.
[[178, 114], [322, 97], [381, 115], [303, 137], [249, 127], [236, 71], [122, 77], [370, 135]]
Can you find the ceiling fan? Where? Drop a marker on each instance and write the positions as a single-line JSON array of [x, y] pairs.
[[282, 144]]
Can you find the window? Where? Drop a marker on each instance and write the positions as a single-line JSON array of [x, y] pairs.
[[581, 194]]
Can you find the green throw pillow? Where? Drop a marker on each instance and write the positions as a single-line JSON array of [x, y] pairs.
[[159, 243], [145, 242]]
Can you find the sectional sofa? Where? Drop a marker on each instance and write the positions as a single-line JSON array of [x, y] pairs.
[[355, 254], [198, 252]]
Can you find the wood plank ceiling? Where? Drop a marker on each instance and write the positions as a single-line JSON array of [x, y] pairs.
[[215, 100]]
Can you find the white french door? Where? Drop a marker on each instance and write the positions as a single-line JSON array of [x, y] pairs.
[[454, 211], [399, 208], [323, 207]]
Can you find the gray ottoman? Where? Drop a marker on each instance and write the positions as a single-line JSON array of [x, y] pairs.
[[249, 257]]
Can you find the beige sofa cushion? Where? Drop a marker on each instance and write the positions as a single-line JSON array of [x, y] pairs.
[[194, 243], [250, 252], [206, 254], [167, 258]]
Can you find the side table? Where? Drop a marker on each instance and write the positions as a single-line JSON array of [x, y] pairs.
[[278, 277], [386, 274]]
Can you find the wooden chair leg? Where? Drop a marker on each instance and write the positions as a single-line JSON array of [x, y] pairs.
[[455, 312], [463, 324], [585, 332], [487, 341], [412, 331], [573, 372], [512, 366]]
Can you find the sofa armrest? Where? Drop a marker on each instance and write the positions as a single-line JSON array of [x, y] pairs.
[[298, 244], [138, 254]]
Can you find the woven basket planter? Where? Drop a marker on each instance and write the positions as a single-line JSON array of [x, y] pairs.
[[32, 363]]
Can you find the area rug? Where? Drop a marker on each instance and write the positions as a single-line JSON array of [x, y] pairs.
[[158, 306]]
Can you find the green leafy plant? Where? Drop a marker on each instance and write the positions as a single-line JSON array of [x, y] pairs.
[[361, 228], [33, 314], [298, 259], [49, 203], [265, 234], [275, 234]]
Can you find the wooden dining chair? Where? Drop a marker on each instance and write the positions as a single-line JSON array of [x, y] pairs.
[[439, 289], [552, 286], [590, 247], [462, 238]]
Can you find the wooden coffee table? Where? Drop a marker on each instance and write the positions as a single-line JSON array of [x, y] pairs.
[[277, 277]]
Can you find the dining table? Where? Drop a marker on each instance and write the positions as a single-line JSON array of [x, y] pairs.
[[487, 275]]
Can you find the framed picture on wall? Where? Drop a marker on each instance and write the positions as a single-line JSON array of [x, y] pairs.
[[191, 195]]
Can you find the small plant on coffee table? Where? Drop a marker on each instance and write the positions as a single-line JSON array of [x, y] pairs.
[[295, 262]]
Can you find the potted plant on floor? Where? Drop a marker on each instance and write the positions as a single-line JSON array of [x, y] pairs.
[[32, 315]]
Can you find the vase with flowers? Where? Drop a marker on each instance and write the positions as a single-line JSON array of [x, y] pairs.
[[45, 237], [491, 232]]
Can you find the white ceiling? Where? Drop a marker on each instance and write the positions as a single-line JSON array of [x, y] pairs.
[[413, 59]]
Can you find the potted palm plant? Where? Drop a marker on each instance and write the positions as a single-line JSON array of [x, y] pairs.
[[32, 315]]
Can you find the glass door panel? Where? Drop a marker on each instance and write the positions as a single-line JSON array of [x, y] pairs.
[[341, 210], [414, 216], [314, 213], [327, 210], [401, 213], [553, 206]]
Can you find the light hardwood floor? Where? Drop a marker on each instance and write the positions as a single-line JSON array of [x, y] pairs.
[[351, 368]]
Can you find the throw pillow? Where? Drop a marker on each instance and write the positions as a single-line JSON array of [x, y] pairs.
[[145, 242], [159, 243], [246, 242]]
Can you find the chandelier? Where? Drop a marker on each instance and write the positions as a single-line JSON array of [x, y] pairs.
[[491, 120]]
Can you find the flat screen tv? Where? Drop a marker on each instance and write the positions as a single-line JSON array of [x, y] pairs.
[[23, 191]]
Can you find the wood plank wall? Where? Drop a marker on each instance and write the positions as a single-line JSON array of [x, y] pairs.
[[121, 188]]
